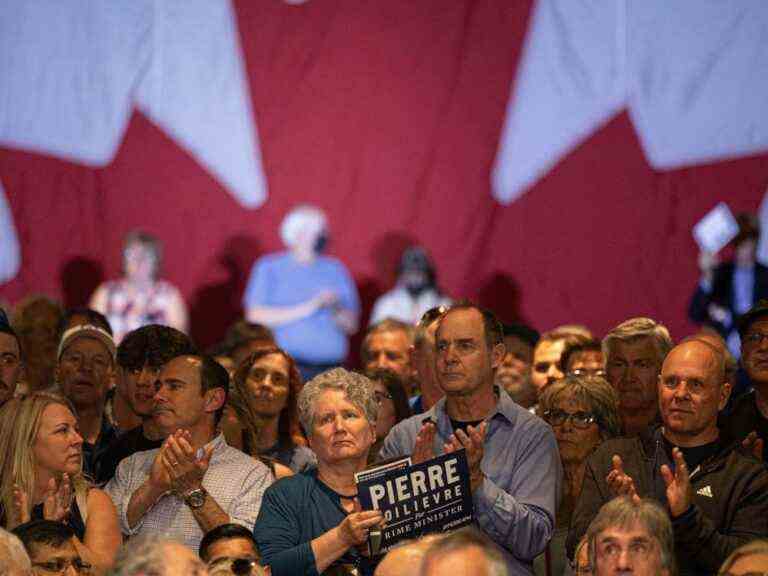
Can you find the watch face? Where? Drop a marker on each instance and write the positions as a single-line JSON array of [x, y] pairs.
[[196, 498]]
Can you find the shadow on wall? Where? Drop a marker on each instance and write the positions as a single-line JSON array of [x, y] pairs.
[[385, 254], [501, 293], [79, 279], [214, 307]]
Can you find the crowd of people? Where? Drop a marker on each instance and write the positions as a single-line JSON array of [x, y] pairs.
[[138, 453]]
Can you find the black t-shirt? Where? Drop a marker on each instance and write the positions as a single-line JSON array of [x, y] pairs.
[[123, 446], [460, 425], [743, 418], [695, 455]]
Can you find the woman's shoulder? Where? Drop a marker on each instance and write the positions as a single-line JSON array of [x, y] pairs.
[[96, 497], [294, 488]]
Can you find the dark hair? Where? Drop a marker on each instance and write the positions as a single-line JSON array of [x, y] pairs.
[[6, 328], [492, 329], [239, 334], [521, 331], [213, 375], [571, 348], [394, 385], [92, 316], [288, 424], [224, 532], [43, 532], [749, 228], [152, 345]]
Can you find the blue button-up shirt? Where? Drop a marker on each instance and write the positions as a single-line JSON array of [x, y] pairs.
[[516, 504]]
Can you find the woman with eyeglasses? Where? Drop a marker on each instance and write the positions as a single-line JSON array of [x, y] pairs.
[[583, 412], [41, 459], [389, 392], [263, 396]]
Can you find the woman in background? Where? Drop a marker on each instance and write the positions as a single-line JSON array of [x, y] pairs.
[[41, 459], [140, 297], [389, 392], [583, 413], [263, 396]]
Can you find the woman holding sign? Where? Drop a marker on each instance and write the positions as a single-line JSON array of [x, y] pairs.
[[311, 523]]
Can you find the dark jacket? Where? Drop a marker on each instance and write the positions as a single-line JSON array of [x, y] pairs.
[[730, 500], [722, 295], [743, 418]]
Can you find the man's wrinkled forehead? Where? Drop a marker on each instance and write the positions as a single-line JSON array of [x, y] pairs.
[[461, 320]]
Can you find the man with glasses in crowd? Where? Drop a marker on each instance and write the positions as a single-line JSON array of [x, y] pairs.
[[51, 548], [716, 497], [583, 359], [747, 420]]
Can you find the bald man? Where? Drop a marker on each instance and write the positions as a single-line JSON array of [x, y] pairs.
[[717, 498]]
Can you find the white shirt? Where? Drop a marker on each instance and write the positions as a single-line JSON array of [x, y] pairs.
[[400, 305], [234, 480]]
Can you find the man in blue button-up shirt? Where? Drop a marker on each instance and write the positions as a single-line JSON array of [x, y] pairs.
[[514, 465]]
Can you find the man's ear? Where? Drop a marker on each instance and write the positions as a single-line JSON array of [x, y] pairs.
[[725, 394], [214, 399], [497, 354]]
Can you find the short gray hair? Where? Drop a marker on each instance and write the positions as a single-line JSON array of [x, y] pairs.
[[624, 512], [594, 391], [750, 549], [13, 556], [636, 328], [357, 388], [142, 556], [468, 537]]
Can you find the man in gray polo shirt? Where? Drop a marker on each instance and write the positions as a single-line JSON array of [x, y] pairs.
[[514, 466]]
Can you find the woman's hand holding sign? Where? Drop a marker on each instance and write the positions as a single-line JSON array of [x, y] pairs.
[[472, 441]]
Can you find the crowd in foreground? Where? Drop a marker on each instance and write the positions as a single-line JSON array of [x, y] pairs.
[[627, 455]]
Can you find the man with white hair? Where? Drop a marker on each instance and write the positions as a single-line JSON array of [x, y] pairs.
[[14, 560], [307, 299]]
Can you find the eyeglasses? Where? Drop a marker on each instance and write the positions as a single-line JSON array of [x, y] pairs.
[[587, 372], [236, 566], [755, 338], [381, 396], [578, 419], [60, 565], [431, 315]]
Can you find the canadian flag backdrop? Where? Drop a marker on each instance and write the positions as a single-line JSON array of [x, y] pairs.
[[205, 122]]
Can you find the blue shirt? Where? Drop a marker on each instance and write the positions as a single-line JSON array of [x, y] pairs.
[[280, 280], [516, 504]]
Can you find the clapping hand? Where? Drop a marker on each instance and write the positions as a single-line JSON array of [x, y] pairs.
[[57, 500], [679, 489], [186, 466], [754, 445], [424, 449], [471, 441], [619, 482]]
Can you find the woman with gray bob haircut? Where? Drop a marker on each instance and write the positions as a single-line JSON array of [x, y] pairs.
[[311, 522]]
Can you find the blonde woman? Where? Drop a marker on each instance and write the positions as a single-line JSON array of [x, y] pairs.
[[41, 459]]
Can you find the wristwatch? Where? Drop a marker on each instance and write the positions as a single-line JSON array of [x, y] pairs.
[[195, 498]]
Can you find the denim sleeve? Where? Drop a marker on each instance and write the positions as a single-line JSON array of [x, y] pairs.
[[521, 515]]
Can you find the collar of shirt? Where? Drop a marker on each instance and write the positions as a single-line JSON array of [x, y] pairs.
[[504, 410]]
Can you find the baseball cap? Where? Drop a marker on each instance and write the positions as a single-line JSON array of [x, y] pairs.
[[759, 310], [87, 331]]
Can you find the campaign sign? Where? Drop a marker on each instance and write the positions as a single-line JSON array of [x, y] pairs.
[[433, 496]]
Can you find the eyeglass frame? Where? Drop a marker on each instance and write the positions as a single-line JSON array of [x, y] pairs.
[[80, 565], [593, 419]]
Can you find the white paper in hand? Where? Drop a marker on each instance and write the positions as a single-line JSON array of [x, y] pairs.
[[713, 232]]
